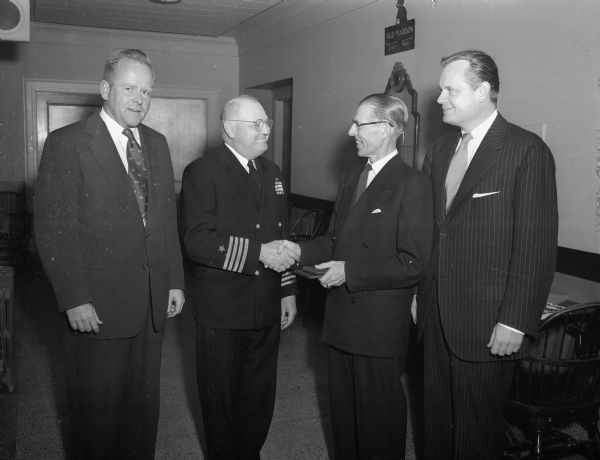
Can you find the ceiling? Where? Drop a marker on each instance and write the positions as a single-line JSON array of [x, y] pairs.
[[211, 18]]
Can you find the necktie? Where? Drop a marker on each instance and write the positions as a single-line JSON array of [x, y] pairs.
[[254, 175], [457, 169], [137, 172], [362, 181]]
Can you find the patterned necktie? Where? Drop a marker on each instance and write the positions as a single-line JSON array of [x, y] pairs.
[[457, 169], [254, 175], [137, 172], [362, 181]]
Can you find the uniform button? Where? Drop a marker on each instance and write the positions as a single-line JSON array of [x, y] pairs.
[[257, 225], [257, 273], [279, 224], [146, 267]]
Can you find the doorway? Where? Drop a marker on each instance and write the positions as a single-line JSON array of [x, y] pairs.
[[277, 98]]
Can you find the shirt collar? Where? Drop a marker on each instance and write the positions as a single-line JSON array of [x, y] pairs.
[[481, 130], [114, 128], [243, 160], [379, 164]]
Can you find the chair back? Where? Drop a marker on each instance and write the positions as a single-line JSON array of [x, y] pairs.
[[562, 372], [309, 225]]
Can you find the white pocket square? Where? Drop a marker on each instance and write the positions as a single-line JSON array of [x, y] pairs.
[[376, 211], [481, 195]]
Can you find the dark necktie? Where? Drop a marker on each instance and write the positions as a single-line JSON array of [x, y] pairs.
[[137, 172], [254, 175], [457, 169], [362, 181]]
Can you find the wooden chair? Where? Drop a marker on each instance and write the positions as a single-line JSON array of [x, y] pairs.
[[7, 330], [309, 225], [558, 385], [14, 227]]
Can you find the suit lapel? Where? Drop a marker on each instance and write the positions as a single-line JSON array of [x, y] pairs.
[[485, 157], [376, 193], [345, 207], [105, 153], [239, 179]]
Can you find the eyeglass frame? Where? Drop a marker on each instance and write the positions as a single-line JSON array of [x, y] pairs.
[[258, 124], [359, 125]]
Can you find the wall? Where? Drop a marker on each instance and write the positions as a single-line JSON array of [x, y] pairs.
[[78, 54], [549, 60]]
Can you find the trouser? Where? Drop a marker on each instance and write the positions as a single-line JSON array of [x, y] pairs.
[[114, 391], [237, 372], [463, 401], [368, 406]]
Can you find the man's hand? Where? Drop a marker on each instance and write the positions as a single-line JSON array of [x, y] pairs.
[[504, 342], [336, 273], [84, 318], [291, 248], [272, 258], [413, 309], [288, 311], [176, 301]]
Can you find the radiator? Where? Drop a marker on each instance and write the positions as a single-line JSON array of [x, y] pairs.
[[7, 330]]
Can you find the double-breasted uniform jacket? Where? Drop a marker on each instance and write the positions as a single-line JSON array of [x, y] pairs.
[[89, 230], [385, 240], [495, 249], [224, 219]]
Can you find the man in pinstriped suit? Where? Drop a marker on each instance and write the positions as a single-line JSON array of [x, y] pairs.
[[492, 264], [233, 206]]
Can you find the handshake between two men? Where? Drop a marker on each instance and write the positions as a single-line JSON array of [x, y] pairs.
[[281, 255]]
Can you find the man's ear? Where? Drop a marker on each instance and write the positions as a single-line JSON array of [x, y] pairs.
[[104, 89], [228, 129], [483, 91]]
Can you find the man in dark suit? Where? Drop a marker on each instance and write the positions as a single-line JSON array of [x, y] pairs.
[[493, 261], [106, 231], [376, 249], [233, 205]]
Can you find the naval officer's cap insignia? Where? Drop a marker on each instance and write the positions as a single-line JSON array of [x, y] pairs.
[[278, 186]]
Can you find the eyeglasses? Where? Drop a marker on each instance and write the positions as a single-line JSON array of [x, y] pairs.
[[359, 125], [258, 124]]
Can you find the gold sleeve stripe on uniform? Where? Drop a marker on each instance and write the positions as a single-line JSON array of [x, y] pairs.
[[228, 256], [242, 253], [237, 252], [287, 278]]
